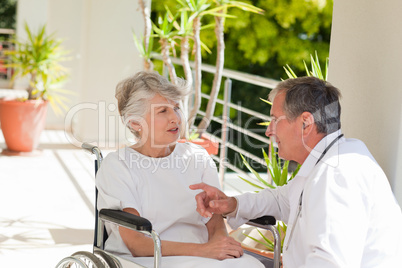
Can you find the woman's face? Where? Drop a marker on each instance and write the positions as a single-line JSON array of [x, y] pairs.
[[162, 124]]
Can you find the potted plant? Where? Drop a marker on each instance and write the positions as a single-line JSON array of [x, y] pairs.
[[38, 59], [183, 29]]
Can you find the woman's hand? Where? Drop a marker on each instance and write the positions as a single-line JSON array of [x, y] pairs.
[[221, 248]]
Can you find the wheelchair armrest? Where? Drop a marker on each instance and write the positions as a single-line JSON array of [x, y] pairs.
[[268, 223], [262, 222], [125, 219], [132, 222]]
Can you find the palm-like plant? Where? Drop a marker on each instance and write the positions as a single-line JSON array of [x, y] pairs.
[[166, 33], [39, 58], [198, 9], [279, 174], [144, 47], [189, 28], [315, 68]]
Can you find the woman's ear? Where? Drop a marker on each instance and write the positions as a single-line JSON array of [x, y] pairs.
[[135, 125]]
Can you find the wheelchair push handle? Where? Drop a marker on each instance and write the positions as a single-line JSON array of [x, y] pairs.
[[93, 149]]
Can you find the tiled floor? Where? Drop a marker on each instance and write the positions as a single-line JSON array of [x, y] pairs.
[[46, 210]]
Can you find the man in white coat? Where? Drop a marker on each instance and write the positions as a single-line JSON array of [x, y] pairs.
[[340, 209]]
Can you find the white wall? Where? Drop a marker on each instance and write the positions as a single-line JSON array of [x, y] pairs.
[[365, 59], [99, 35]]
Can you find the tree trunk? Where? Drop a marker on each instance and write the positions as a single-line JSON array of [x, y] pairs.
[[198, 61], [167, 61], [185, 48], [148, 65], [220, 59], [30, 86]]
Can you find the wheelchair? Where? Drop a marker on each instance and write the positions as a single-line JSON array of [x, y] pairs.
[[99, 258]]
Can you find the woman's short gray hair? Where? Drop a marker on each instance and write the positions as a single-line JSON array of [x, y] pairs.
[[313, 95], [134, 93]]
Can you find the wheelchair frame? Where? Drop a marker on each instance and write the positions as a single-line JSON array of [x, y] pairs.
[[102, 259]]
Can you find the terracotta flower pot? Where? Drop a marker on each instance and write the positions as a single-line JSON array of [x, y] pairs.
[[22, 123]]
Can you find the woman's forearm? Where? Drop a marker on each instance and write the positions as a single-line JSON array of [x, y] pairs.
[[219, 246], [143, 246], [216, 227]]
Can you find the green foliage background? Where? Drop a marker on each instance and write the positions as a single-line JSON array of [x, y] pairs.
[[287, 33], [7, 13]]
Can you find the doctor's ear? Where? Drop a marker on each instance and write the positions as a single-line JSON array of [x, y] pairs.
[[307, 121]]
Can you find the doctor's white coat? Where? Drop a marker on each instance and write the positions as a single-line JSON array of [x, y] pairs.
[[348, 214]]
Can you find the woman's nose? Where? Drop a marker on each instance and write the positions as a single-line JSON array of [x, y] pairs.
[[175, 117]]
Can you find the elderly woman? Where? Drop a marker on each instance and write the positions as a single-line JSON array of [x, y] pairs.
[[151, 179]]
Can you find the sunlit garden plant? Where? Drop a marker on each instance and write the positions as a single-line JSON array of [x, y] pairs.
[[279, 173], [39, 58]]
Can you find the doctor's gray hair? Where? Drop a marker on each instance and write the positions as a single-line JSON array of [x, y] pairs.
[[313, 95], [133, 94]]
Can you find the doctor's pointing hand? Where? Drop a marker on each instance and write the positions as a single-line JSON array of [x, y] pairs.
[[212, 200]]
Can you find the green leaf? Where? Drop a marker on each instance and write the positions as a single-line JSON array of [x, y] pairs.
[[205, 47], [289, 72], [284, 175], [295, 172], [256, 174], [260, 242], [251, 183], [266, 101], [268, 162], [307, 70], [268, 241], [139, 45]]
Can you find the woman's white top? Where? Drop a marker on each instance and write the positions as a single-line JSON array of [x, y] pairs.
[[158, 188]]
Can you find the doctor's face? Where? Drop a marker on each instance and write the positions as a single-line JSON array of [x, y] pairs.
[[287, 134]]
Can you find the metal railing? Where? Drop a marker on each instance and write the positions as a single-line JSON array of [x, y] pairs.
[[5, 73], [226, 125]]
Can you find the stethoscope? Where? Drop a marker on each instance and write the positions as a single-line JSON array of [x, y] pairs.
[[301, 195]]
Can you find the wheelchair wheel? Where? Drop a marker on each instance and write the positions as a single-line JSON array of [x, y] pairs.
[[108, 260], [71, 262], [90, 260]]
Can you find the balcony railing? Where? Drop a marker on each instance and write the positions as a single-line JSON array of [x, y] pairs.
[[226, 126], [5, 73]]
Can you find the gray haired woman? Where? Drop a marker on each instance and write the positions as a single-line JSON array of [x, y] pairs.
[[151, 179]]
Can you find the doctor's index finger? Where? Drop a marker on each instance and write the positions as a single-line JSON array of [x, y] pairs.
[[199, 186]]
